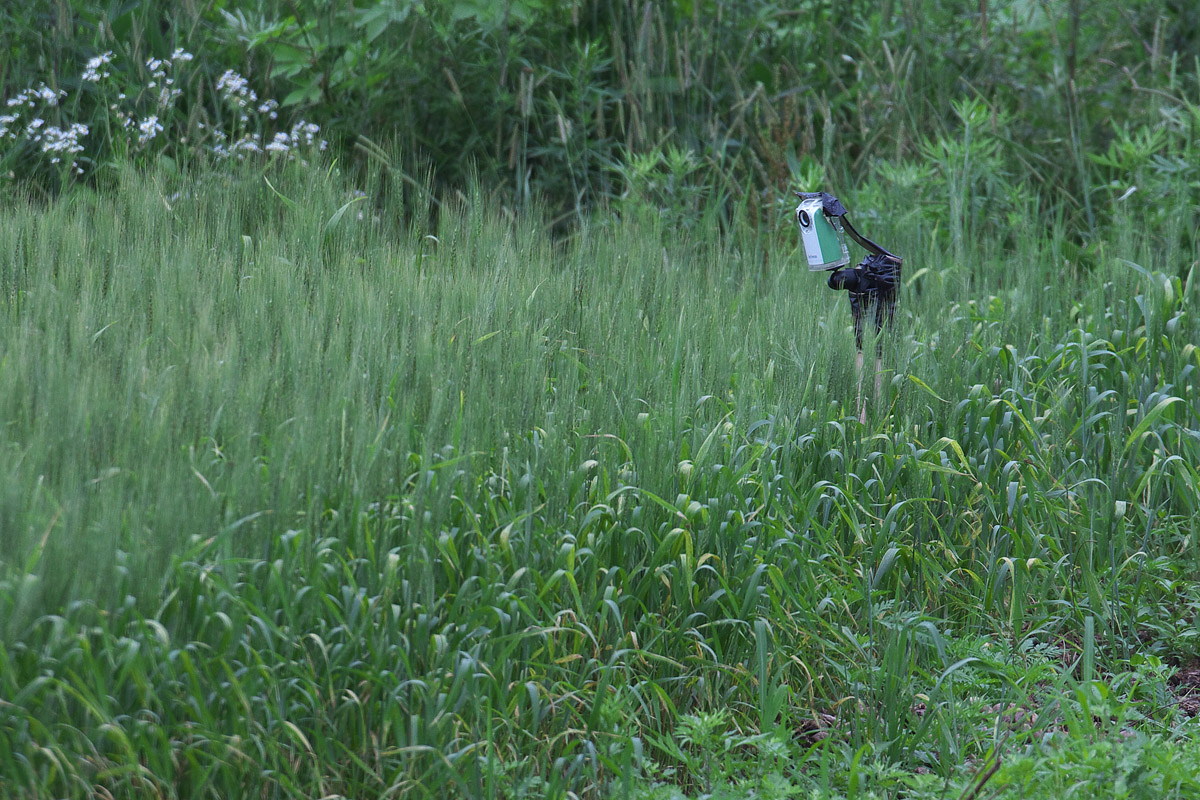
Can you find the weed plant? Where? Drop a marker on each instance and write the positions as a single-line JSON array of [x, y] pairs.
[[305, 496], [140, 117], [579, 107]]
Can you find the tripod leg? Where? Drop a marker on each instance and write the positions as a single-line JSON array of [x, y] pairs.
[[878, 381], [862, 406], [885, 308], [856, 312]]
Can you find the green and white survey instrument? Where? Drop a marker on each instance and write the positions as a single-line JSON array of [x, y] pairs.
[[871, 284], [823, 239]]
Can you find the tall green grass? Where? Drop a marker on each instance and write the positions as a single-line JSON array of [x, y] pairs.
[[298, 502]]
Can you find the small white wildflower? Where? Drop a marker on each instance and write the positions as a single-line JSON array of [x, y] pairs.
[[279, 144], [181, 55], [94, 71], [20, 99], [236, 89], [48, 95], [230, 81], [166, 96], [33, 128], [249, 143], [120, 95], [148, 129], [305, 133], [155, 65], [5, 121], [57, 140]]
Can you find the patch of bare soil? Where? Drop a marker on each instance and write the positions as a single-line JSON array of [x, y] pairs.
[[1185, 683], [813, 729]]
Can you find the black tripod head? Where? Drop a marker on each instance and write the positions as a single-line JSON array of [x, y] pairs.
[[872, 283]]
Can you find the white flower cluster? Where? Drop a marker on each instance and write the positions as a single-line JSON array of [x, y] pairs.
[[58, 141], [65, 142], [161, 79], [280, 144], [306, 133], [31, 97], [236, 89], [303, 134], [48, 95], [95, 71], [51, 139], [237, 93], [251, 143], [148, 129]]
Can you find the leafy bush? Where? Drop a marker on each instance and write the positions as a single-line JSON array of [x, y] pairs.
[[565, 103]]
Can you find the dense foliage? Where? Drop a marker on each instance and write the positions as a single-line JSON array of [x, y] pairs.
[[299, 497], [411, 399], [689, 104]]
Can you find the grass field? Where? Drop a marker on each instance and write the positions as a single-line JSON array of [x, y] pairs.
[[300, 497]]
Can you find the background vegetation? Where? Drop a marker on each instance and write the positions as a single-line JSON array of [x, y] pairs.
[[403, 398], [692, 104]]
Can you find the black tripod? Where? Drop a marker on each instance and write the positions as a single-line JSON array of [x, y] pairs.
[[871, 284]]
